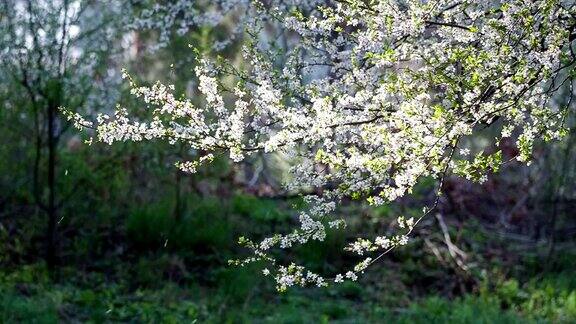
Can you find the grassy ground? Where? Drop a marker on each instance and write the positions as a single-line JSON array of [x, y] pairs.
[[162, 269], [139, 293]]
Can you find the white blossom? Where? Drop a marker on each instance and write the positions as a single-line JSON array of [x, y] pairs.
[[368, 99]]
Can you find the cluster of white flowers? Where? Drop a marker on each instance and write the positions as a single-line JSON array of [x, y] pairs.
[[383, 243], [296, 275], [370, 96]]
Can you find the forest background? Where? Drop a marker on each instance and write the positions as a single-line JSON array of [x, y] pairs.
[[97, 233]]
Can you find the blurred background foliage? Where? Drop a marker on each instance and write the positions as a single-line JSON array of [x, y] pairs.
[[138, 241]]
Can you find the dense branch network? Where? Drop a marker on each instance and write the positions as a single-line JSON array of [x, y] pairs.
[[366, 98]]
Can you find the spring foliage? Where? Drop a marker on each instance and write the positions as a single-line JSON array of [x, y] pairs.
[[365, 97]]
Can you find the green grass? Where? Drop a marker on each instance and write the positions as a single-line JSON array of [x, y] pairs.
[[204, 224], [173, 270], [239, 296]]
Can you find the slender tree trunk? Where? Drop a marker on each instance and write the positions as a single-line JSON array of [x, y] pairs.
[[178, 205], [558, 193], [51, 207]]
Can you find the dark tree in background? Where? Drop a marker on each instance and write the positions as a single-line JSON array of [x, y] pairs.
[[56, 53]]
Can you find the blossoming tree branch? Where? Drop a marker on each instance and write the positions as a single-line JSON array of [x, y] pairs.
[[366, 97]]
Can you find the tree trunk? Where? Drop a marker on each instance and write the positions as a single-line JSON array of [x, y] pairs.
[[51, 206]]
